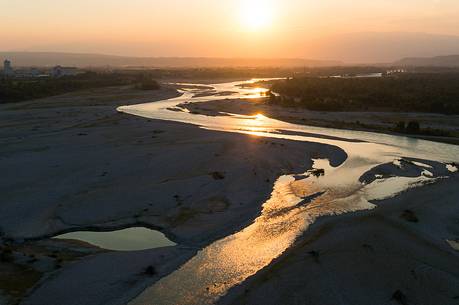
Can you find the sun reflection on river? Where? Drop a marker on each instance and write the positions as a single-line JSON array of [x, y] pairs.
[[296, 201], [227, 262], [255, 124]]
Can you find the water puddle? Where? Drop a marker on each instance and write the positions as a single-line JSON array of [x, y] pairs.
[[388, 188], [131, 239], [454, 244], [452, 167]]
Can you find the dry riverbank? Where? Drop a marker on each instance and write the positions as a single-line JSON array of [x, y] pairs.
[[72, 162]]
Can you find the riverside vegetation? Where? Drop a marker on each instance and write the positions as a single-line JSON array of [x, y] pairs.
[[22, 89], [410, 92]]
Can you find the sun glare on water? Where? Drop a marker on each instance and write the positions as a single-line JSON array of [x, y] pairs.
[[256, 14]]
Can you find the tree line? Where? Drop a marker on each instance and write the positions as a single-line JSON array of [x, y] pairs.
[[16, 90], [407, 92]]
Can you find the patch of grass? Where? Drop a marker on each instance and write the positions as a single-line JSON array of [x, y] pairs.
[[6, 254], [150, 271], [184, 215], [368, 247], [217, 175], [178, 199], [212, 205], [16, 280], [315, 255], [400, 297], [409, 216], [40, 149]]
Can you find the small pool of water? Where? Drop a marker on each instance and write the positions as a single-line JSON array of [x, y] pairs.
[[131, 239]]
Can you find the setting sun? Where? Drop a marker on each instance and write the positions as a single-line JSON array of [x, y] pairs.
[[256, 14]]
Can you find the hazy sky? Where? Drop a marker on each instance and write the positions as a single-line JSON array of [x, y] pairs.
[[226, 28]]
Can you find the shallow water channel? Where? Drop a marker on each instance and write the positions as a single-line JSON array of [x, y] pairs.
[[296, 201]]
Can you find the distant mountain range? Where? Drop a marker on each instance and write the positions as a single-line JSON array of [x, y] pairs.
[[381, 47], [48, 59], [437, 61], [349, 48], [28, 59]]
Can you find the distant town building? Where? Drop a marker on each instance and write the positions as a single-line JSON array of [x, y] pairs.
[[59, 71], [28, 73], [396, 71], [7, 68], [36, 72]]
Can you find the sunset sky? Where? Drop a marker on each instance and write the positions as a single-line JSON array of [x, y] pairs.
[[236, 28]]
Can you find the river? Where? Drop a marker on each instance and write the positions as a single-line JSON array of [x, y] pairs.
[[296, 202]]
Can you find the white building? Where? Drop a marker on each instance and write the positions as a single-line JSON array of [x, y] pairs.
[[28, 72], [7, 68], [59, 71]]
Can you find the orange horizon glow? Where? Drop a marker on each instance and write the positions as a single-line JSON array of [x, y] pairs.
[[206, 28]]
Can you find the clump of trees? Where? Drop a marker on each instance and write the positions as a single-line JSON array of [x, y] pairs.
[[416, 92], [16, 90], [6, 254], [147, 83], [413, 127]]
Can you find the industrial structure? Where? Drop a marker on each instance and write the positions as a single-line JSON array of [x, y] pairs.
[[7, 68]]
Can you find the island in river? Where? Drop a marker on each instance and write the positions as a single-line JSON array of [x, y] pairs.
[[74, 163]]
